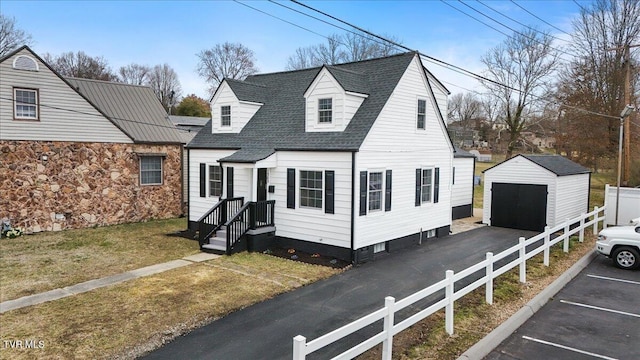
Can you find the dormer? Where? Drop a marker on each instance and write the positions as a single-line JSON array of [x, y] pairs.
[[332, 99], [234, 104]]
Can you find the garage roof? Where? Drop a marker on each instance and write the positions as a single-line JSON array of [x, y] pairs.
[[559, 165]]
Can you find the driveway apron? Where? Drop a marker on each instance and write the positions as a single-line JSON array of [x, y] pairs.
[[265, 330]]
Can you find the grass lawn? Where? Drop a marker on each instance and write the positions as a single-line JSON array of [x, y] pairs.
[[128, 319], [36, 263]]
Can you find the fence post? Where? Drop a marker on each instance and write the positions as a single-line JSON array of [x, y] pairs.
[[449, 307], [565, 245], [299, 345], [387, 344], [596, 216], [489, 273], [547, 239], [582, 217], [523, 261]]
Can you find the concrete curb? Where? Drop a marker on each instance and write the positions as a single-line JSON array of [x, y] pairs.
[[483, 347]]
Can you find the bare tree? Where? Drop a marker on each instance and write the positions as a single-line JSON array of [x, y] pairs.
[[11, 37], [595, 78], [521, 68], [134, 74], [341, 48], [164, 82], [465, 109], [228, 60], [80, 65]]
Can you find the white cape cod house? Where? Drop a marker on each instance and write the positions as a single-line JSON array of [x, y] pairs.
[[346, 160]]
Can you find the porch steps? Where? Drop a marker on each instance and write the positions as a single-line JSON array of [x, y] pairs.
[[218, 241]]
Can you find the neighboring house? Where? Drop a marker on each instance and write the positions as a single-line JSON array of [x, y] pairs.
[[530, 192], [188, 127], [346, 160], [481, 155], [77, 153], [464, 167]]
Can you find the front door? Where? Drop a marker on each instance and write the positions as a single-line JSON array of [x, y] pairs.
[[261, 209]]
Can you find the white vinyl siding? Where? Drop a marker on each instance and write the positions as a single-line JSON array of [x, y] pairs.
[[198, 206], [309, 224], [63, 114], [151, 170], [572, 196], [462, 188], [240, 112], [343, 105], [393, 143]]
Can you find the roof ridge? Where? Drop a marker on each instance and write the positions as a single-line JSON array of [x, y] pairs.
[[105, 82], [245, 82]]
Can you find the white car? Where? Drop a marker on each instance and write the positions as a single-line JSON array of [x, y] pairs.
[[622, 244]]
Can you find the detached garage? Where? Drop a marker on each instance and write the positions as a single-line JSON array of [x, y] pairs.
[[529, 192]]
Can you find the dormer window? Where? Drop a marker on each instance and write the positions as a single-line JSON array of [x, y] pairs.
[[422, 113], [225, 115], [325, 111]]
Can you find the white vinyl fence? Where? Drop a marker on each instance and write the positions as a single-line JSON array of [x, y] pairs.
[[302, 348]]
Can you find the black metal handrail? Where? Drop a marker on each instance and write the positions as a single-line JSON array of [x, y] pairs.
[[251, 216], [213, 219]]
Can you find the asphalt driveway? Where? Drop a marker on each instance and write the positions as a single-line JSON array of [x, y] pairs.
[[266, 330]]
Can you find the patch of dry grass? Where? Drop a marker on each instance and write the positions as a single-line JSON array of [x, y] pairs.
[[474, 319], [126, 320], [36, 263]]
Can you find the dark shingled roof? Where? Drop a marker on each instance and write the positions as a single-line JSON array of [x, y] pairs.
[[248, 155], [557, 164], [459, 153], [135, 109], [280, 123], [246, 91]]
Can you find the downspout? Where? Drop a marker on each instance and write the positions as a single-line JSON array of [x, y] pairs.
[[182, 177], [473, 184], [188, 186], [353, 204]]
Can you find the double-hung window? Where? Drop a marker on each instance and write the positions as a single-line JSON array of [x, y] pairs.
[[422, 113], [225, 115], [311, 189], [375, 191], [151, 170], [426, 186], [215, 180], [325, 111], [25, 104]]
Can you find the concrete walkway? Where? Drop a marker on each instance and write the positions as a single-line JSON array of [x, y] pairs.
[[60, 293]]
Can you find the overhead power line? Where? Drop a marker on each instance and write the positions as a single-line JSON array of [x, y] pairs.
[[521, 24], [438, 61], [537, 17], [102, 116]]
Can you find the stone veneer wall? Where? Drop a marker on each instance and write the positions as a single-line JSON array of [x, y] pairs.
[[84, 184]]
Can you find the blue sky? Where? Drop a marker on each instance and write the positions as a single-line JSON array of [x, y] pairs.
[[173, 32]]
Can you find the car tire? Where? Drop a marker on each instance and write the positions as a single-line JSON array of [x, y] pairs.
[[626, 257]]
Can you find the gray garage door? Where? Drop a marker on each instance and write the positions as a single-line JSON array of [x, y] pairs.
[[519, 206]]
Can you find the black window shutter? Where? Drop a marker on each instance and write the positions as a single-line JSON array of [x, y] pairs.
[[203, 180], [453, 176], [436, 186], [363, 193], [291, 188], [229, 182], [329, 193], [418, 187], [387, 192]]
